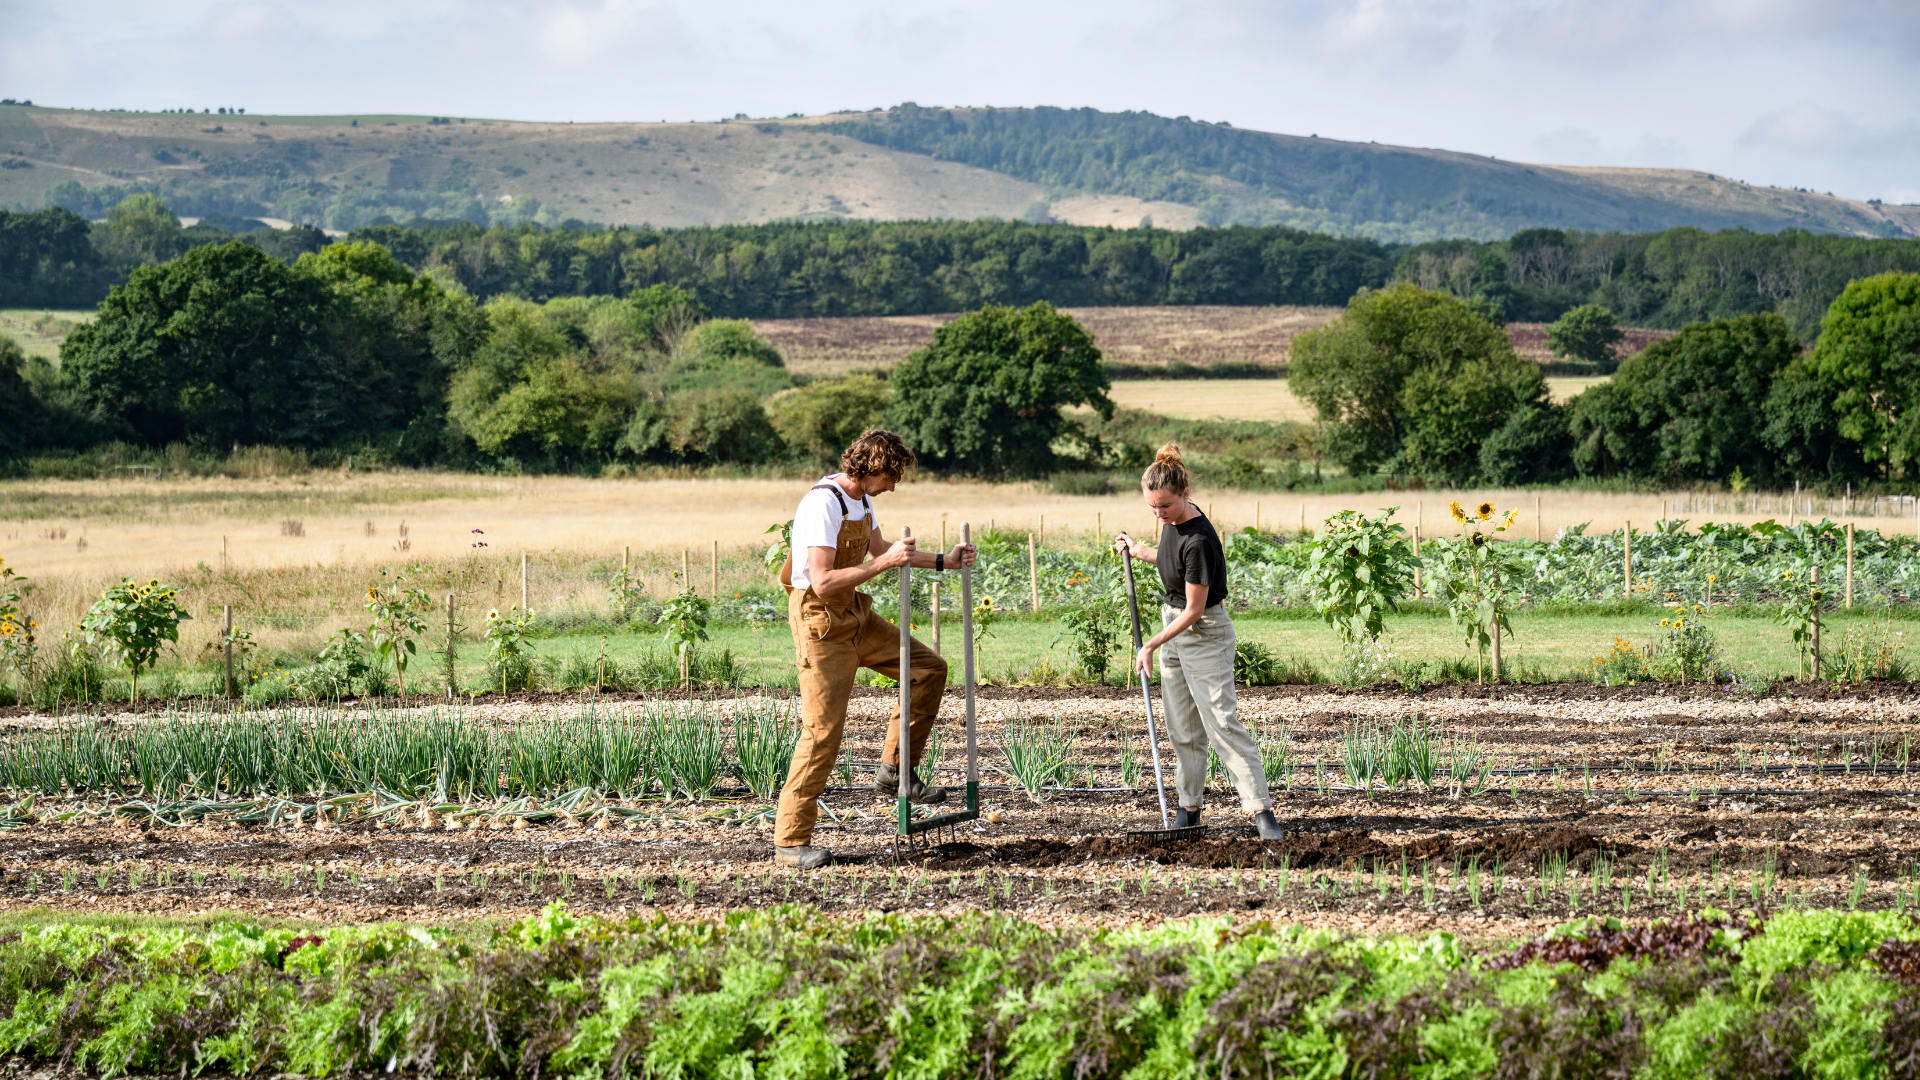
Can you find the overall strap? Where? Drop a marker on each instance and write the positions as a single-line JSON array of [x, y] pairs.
[[837, 493], [842, 497]]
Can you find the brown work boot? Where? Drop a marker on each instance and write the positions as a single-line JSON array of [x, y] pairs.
[[802, 857], [887, 783]]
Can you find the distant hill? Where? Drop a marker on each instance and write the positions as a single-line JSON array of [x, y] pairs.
[[909, 162], [1394, 193]]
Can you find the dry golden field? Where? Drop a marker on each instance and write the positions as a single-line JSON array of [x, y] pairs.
[[1128, 335], [1213, 399], [1199, 335], [142, 528], [40, 331], [1251, 399]]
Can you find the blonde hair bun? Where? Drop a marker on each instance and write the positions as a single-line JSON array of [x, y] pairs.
[[1167, 473]]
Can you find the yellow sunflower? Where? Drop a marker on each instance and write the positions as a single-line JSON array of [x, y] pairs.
[[1459, 515], [1485, 510]]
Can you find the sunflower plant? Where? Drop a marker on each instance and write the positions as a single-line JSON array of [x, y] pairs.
[[1688, 649], [685, 618], [1474, 577], [1359, 568], [1800, 614], [133, 622], [399, 620], [509, 653], [19, 648]]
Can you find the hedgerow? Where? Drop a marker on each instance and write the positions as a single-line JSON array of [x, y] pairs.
[[788, 993]]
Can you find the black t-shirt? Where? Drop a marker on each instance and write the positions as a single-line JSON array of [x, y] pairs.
[[1191, 553]]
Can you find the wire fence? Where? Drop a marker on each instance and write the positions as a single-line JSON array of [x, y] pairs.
[[1019, 573]]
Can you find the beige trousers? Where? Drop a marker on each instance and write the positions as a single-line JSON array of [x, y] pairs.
[[1196, 687]]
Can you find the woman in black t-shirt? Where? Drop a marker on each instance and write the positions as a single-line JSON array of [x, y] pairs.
[[1196, 644]]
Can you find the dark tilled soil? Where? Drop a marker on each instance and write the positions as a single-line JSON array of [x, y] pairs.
[[1391, 862]]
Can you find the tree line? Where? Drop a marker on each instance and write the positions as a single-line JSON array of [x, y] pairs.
[[347, 353], [53, 258], [1419, 383], [1665, 279]]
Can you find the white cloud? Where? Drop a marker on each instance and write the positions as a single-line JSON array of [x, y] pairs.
[[1404, 31], [576, 34], [1578, 146], [1815, 130], [242, 24], [1568, 146], [1374, 33]]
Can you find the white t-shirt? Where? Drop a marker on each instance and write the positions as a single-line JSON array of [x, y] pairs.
[[817, 523]]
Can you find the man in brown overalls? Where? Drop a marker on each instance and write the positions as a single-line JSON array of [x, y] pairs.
[[836, 632]]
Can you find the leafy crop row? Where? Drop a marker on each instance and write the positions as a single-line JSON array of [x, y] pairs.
[[1730, 563], [789, 993]]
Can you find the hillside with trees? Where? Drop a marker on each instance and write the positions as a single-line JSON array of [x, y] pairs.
[[906, 163], [1395, 193]]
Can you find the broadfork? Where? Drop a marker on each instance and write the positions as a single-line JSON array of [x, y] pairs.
[[903, 809], [1166, 831]]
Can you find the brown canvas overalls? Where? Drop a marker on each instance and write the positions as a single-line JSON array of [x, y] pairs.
[[833, 638]]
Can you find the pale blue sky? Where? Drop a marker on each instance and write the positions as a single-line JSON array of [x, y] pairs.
[[1790, 92]]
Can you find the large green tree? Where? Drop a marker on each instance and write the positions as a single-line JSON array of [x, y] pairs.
[[1869, 359], [985, 397], [1588, 333], [532, 396], [1692, 407], [820, 420], [397, 337], [1412, 379], [223, 344], [229, 345]]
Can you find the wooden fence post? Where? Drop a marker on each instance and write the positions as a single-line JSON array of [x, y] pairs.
[[1816, 626], [713, 568], [450, 647], [1033, 571], [229, 636], [1849, 566], [936, 616], [686, 568], [523, 584], [1626, 563], [1416, 570], [1536, 519]]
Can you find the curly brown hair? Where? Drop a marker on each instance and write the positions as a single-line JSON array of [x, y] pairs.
[[877, 453]]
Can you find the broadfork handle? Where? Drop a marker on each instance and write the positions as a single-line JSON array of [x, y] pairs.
[[906, 672], [1133, 599], [1153, 745], [966, 636], [1146, 693]]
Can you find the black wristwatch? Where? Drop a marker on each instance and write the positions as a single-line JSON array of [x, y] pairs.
[[940, 561]]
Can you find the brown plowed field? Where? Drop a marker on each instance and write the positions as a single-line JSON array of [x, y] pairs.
[[1642, 799]]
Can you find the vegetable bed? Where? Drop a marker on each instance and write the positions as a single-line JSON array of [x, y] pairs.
[[791, 992]]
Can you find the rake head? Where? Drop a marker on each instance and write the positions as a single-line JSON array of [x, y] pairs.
[[1187, 833]]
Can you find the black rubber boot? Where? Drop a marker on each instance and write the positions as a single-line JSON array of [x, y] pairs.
[[887, 783], [1184, 818], [1269, 828]]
